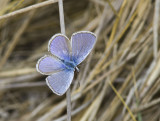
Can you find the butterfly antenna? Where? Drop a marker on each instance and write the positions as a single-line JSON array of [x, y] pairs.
[[77, 69]]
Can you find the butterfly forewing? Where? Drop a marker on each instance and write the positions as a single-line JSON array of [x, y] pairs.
[[60, 81], [82, 44], [48, 65], [59, 46]]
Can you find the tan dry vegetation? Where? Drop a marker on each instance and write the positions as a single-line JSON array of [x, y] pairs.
[[120, 79]]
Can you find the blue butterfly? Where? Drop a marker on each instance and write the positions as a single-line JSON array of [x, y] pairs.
[[66, 55]]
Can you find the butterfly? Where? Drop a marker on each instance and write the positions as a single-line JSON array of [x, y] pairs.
[[64, 58]]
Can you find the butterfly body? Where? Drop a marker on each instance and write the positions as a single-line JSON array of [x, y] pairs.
[[70, 65], [68, 54]]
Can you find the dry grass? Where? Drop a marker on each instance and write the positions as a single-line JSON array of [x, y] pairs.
[[120, 79]]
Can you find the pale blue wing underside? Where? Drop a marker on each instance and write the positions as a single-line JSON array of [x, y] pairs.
[[82, 44], [48, 65], [60, 81], [59, 46]]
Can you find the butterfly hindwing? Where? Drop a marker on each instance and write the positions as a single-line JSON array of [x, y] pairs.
[[60, 81], [82, 44], [48, 65], [59, 46]]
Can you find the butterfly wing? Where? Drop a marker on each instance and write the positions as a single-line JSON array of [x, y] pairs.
[[59, 46], [60, 81], [48, 65], [82, 44]]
